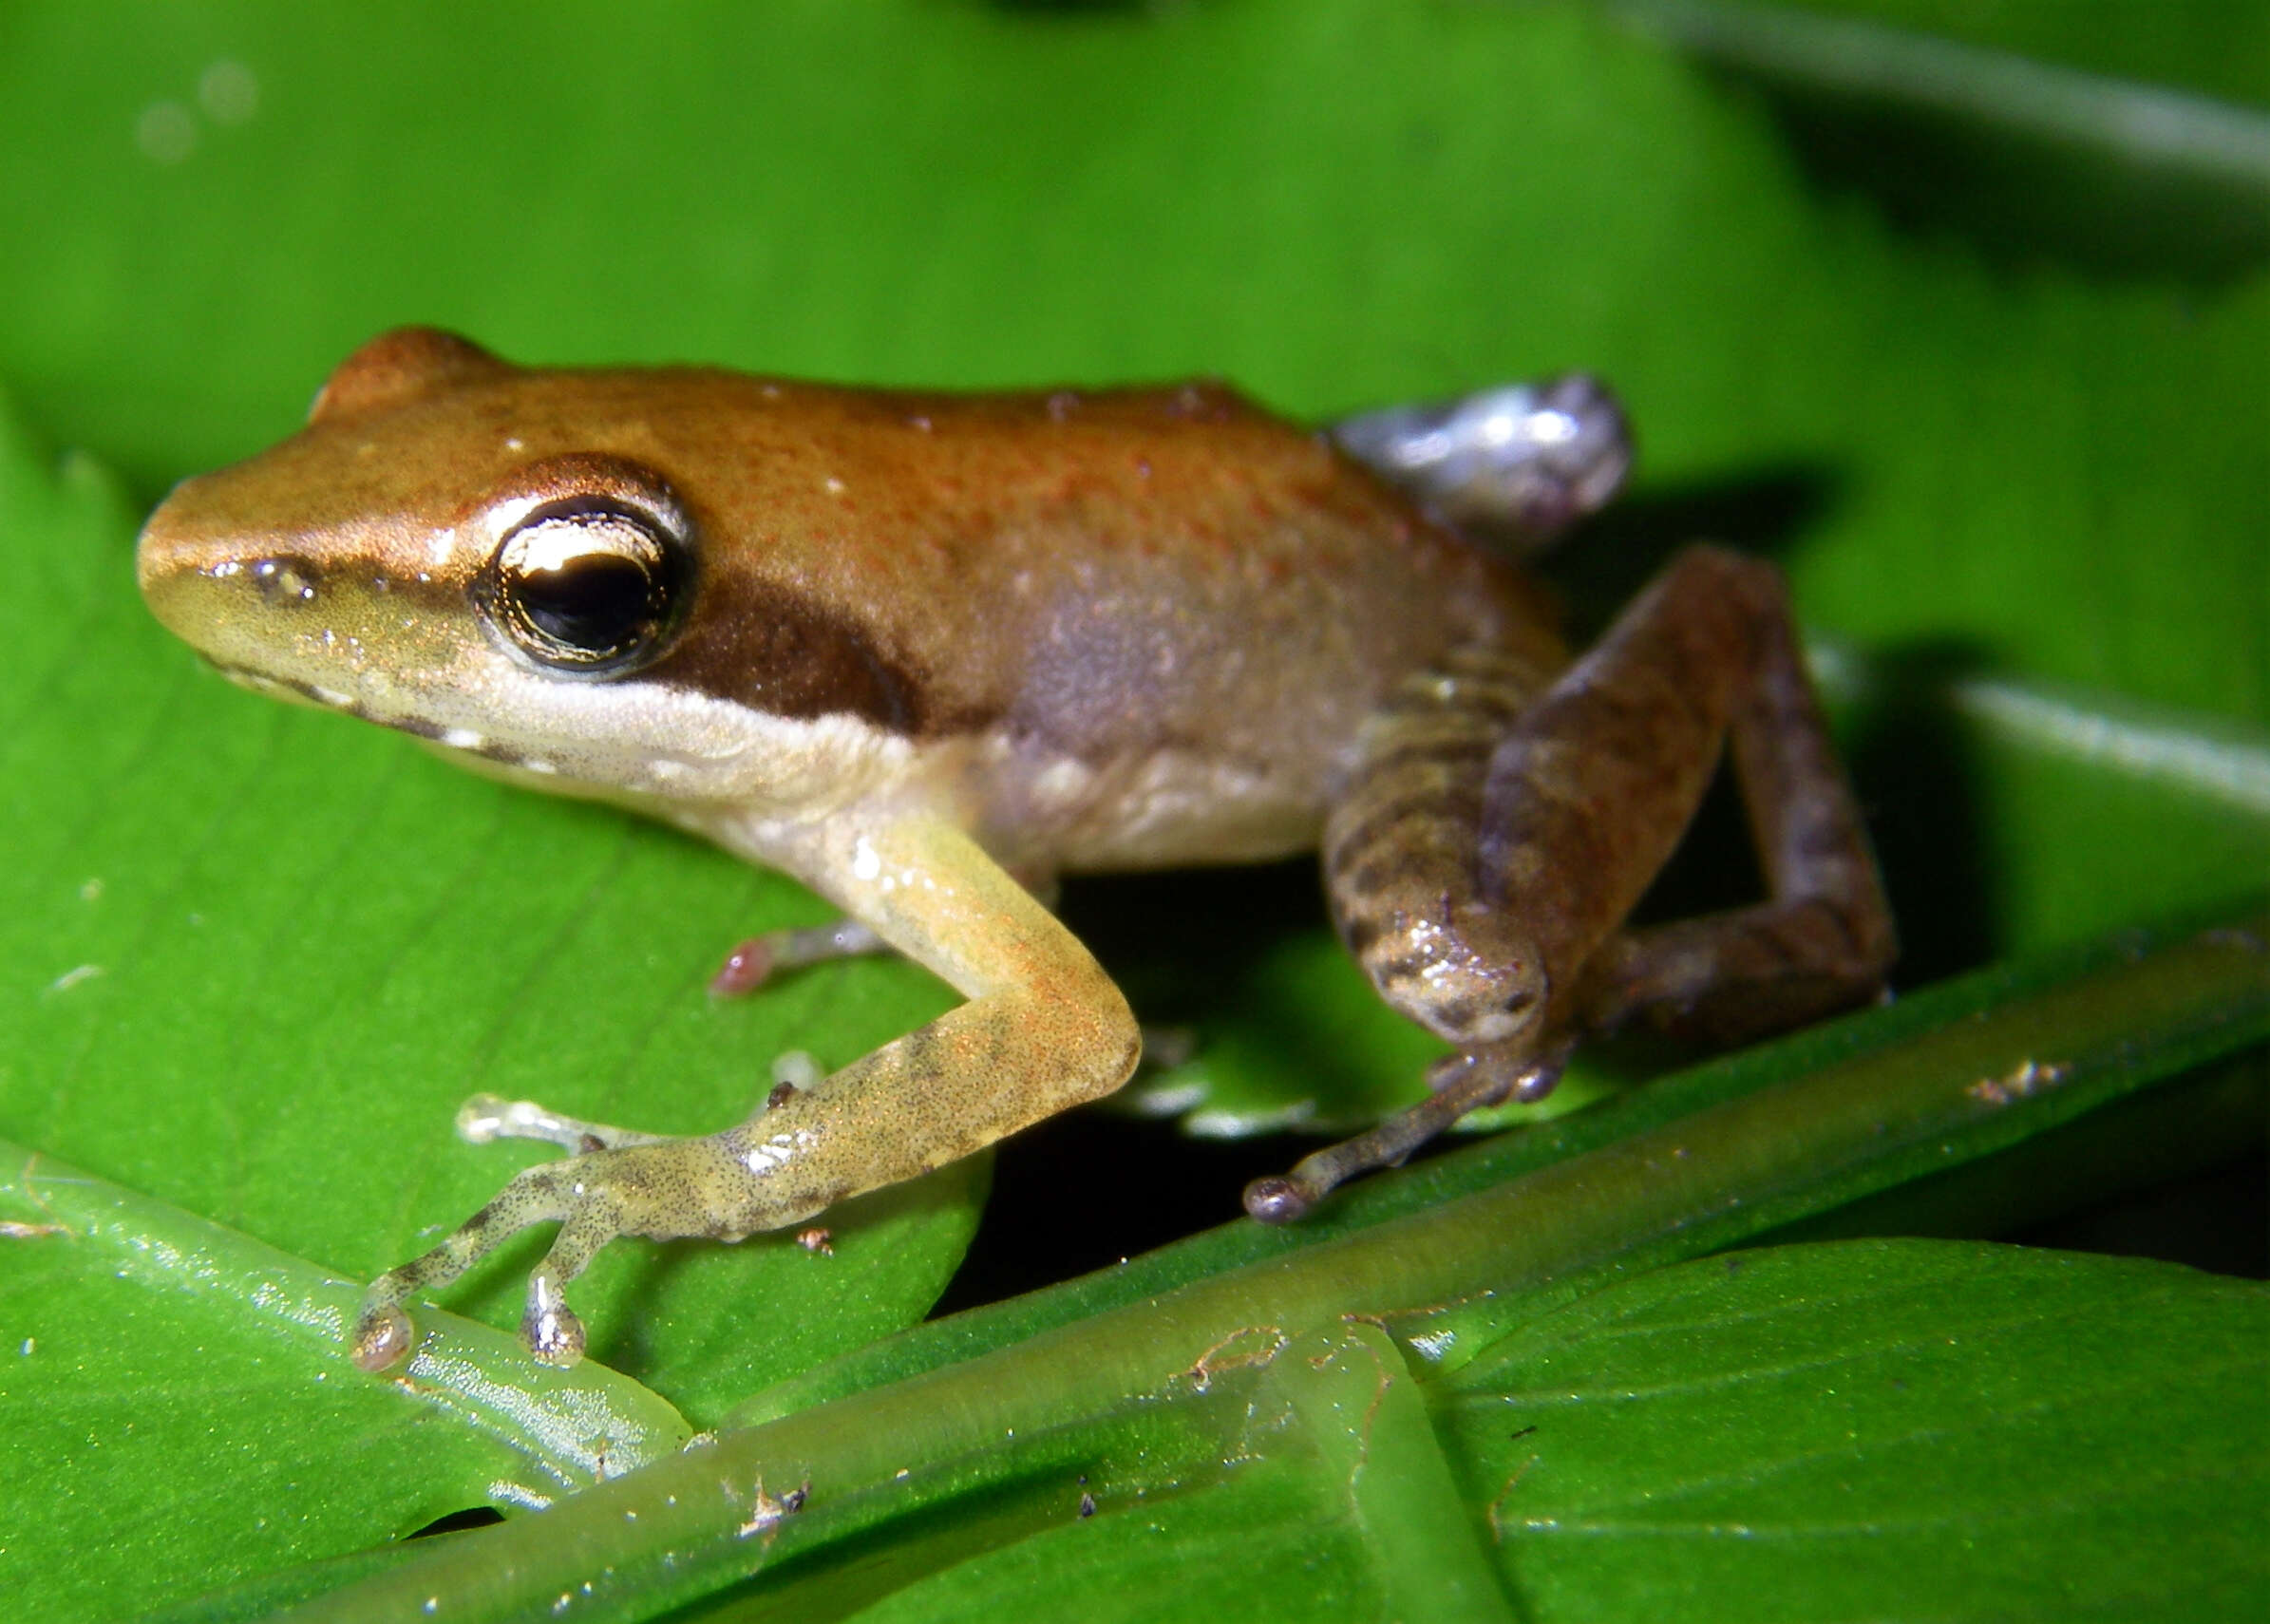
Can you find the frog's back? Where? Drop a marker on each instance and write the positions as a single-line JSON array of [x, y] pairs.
[[1166, 596], [1131, 626]]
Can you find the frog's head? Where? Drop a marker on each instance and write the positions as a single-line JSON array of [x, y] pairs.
[[492, 558]]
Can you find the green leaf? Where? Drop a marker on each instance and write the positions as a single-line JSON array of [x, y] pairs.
[[2030, 160], [2202, 45], [1885, 1429]]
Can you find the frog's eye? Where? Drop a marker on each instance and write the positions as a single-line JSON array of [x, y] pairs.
[[591, 585]]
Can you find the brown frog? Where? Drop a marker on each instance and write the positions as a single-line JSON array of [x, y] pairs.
[[927, 651]]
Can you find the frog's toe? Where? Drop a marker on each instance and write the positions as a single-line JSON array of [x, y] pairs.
[[550, 1327], [382, 1331], [754, 962], [485, 1117], [1494, 1074], [1484, 1075], [382, 1334], [1281, 1199]]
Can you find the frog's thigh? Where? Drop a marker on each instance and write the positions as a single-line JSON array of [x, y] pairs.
[[1400, 852]]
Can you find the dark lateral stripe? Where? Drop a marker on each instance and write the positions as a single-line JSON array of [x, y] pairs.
[[778, 650]]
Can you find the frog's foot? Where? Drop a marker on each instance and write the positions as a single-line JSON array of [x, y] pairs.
[[382, 1333], [1465, 1081], [753, 962], [640, 1184], [487, 1117]]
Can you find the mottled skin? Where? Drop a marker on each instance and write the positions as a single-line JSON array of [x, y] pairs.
[[901, 645]]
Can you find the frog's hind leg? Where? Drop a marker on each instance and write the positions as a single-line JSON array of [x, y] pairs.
[[1824, 938], [1487, 853]]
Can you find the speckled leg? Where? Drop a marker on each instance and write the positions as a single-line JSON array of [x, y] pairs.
[[1043, 1029], [1491, 844], [1822, 942]]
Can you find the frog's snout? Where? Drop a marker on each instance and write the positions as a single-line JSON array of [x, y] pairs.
[[198, 580]]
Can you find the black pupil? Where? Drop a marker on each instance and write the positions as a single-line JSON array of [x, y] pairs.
[[598, 602]]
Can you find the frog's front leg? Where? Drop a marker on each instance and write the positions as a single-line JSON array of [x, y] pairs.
[[1494, 837], [757, 959], [1043, 1029]]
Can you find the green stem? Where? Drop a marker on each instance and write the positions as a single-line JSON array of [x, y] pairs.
[[1350, 1390], [2175, 130], [575, 1426]]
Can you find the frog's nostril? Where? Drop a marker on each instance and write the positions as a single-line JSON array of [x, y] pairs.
[[284, 580]]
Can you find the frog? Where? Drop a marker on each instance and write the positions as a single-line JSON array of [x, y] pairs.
[[927, 651]]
